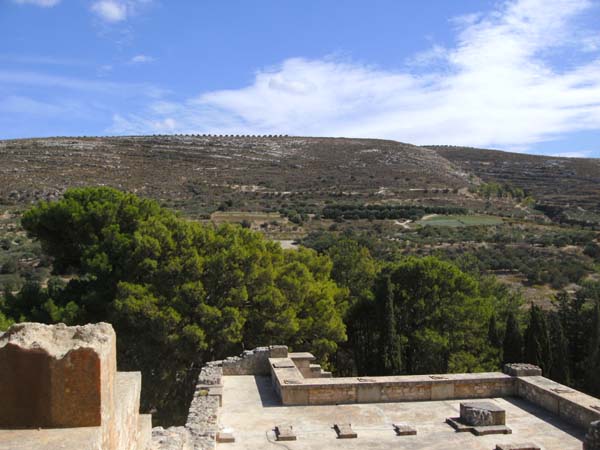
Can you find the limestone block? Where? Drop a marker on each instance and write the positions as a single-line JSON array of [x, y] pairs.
[[442, 391], [522, 370], [144, 440], [345, 431], [225, 436], [127, 404], [285, 433], [55, 376], [592, 438], [525, 446], [278, 351], [403, 429], [368, 393], [482, 414]]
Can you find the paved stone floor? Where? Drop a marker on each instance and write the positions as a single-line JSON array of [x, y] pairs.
[[251, 409]]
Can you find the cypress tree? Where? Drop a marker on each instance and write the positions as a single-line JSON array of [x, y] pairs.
[[537, 341], [390, 348], [592, 380], [513, 341], [559, 370], [493, 335], [573, 317]]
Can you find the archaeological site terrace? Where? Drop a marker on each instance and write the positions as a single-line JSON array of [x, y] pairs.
[[60, 390]]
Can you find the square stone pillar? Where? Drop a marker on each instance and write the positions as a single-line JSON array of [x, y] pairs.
[[55, 376]]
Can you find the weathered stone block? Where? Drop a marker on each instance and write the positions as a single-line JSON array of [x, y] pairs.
[[278, 351], [525, 446], [54, 376], [522, 370], [403, 429], [225, 436], [345, 431], [285, 433], [482, 414], [368, 393], [442, 391]]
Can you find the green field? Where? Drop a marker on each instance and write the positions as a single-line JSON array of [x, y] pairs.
[[459, 221]]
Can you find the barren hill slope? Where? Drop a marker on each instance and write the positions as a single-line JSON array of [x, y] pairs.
[[178, 168], [562, 184]]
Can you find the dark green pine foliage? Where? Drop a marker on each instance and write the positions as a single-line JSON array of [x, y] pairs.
[[559, 371], [513, 341], [390, 346], [537, 340], [493, 334], [592, 377]]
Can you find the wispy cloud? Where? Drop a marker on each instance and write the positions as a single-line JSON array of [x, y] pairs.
[[30, 79], [497, 86], [141, 59], [113, 11], [43, 3], [110, 10]]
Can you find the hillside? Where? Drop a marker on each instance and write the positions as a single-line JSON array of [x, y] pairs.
[[205, 170], [395, 197], [567, 185]]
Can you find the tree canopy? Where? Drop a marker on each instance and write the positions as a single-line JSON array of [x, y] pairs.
[[178, 292]]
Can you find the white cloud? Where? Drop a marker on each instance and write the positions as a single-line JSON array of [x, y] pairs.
[[43, 3], [498, 86], [110, 10], [141, 59], [114, 11]]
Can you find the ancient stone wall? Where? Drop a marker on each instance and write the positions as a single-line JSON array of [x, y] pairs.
[[254, 362], [201, 428], [59, 386], [294, 389], [572, 406]]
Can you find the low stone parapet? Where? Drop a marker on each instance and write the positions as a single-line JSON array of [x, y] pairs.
[[572, 406], [294, 389]]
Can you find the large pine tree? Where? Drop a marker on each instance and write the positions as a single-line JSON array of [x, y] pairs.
[[537, 340], [513, 341]]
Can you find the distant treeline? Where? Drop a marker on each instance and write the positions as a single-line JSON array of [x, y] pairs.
[[412, 212]]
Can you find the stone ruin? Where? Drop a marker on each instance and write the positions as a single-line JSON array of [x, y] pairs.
[[480, 418], [60, 388]]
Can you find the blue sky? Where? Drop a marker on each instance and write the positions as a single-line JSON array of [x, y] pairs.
[[521, 75]]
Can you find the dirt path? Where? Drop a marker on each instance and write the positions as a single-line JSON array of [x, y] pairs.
[[403, 224]]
